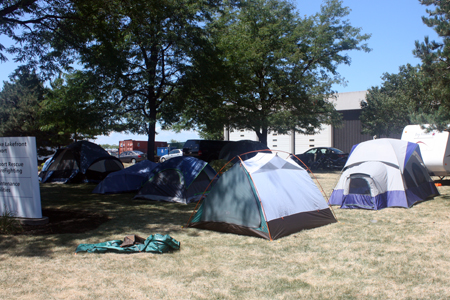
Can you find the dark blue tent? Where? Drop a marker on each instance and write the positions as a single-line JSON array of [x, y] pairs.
[[80, 162], [181, 179], [127, 180]]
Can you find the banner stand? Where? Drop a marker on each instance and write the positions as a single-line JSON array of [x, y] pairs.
[[19, 183], [33, 221]]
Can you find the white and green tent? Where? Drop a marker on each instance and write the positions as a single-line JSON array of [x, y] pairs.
[[265, 196]]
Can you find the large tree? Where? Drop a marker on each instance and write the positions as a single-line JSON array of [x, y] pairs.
[[71, 107], [435, 56], [137, 51], [276, 70], [21, 101], [409, 96], [65, 111], [31, 24]]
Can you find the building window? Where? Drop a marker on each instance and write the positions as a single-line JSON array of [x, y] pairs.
[[311, 140], [274, 140], [274, 146], [274, 134], [242, 130], [311, 145], [242, 135]]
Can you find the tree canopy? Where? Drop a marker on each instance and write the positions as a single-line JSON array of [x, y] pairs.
[[20, 102], [137, 53], [71, 107], [32, 25], [55, 115], [416, 95], [408, 96], [257, 65], [275, 68], [435, 56]]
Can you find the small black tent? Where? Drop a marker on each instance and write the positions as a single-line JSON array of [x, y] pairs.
[[80, 162]]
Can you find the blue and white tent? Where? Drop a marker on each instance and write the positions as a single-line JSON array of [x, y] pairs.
[[383, 173], [181, 179], [129, 179]]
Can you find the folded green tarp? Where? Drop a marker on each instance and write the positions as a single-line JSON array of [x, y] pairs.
[[157, 243]]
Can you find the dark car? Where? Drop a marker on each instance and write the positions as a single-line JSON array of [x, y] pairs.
[[323, 158], [132, 156], [206, 150]]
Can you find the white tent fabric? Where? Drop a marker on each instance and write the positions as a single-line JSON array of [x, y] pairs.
[[382, 150], [383, 173], [277, 178]]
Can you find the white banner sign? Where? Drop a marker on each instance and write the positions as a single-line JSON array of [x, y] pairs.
[[19, 184]]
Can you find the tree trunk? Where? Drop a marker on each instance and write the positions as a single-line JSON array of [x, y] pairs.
[[151, 141], [262, 135], [151, 131]]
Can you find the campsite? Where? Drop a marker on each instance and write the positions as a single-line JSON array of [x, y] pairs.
[[393, 253]]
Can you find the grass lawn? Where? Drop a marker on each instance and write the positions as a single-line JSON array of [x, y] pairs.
[[393, 253]]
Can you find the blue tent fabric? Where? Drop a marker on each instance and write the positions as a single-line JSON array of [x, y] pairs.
[[157, 243], [187, 165], [129, 179], [181, 179]]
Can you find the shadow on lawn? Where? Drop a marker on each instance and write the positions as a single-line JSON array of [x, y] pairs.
[[76, 214]]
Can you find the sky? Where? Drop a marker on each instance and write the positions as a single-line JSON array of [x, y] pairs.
[[395, 25]]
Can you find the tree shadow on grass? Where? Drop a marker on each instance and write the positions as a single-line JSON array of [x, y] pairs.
[[76, 214]]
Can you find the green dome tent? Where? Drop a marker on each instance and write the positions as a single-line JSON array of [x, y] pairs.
[[265, 196]]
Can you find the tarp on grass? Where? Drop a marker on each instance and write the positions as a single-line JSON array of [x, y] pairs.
[[157, 243]]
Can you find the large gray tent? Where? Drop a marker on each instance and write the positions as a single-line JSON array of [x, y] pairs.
[[383, 173]]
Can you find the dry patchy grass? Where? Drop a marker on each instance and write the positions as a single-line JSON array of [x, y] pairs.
[[388, 254]]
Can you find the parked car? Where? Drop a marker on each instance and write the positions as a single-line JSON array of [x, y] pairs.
[[323, 158], [171, 154], [132, 156], [206, 150], [114, 153]]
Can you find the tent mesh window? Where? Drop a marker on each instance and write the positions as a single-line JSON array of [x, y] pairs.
[[168, 183], [67, 162], [167, 177], [359, 186], [197, 186], [409, 181], [418, 174]]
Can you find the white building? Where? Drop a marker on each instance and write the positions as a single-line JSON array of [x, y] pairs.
[[342, 138]]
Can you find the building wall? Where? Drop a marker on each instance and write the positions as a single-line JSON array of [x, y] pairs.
[[283, 142], [349, 133], [342, 137]]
